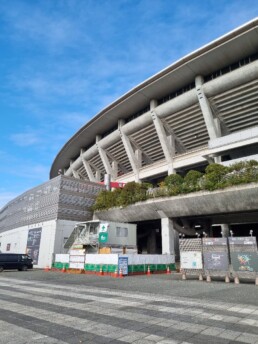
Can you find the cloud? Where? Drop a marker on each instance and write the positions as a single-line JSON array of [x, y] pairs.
[[25, 139]]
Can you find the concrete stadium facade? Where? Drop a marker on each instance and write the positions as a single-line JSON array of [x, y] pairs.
[[201, 109]]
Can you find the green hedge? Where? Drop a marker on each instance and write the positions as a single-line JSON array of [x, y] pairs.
[[216, 176]]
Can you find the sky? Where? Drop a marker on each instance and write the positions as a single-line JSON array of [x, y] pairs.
[[63, 61]]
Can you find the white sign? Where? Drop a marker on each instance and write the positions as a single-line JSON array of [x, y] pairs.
[[103, 227], [191, 260], [78, 259], [76, 265]]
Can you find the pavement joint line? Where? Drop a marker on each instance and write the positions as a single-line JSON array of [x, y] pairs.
[[50, 301], [117, 301], [148, 295], [201, 315]]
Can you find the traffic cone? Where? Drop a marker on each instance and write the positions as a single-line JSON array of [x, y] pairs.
[[121, 273], [101, 271], [63, 269], [168, 270], [148, 271], [115, 273], [46, 268]]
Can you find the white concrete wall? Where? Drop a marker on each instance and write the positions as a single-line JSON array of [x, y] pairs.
[[17, 238]]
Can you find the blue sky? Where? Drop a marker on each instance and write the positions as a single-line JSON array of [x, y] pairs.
[[62, 61]]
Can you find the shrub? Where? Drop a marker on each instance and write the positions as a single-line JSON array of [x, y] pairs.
[[213, 178], [174, 182], [192, 181]]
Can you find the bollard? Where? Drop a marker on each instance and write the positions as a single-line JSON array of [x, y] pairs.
[[200, 277], [227, 280], [208, 279], [183, 276]]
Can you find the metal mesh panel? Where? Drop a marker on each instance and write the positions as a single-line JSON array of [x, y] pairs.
[[191, 245], [60, 198]]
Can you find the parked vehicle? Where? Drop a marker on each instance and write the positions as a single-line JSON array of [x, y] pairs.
[[11, 261]]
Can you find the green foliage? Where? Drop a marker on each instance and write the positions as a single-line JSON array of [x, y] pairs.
[[174, 182], [216, 177], [192, 181], [213, 178]]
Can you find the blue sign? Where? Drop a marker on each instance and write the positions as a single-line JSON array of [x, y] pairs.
[[123, 265]]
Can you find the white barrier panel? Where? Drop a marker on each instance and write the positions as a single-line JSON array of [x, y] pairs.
[[137, 259], [101, 259], [133, 259], [62, 258]]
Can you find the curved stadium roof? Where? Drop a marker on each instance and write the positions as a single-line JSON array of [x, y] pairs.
[[229, 67]]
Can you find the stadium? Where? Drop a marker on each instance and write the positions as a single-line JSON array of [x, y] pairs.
[[201, 109]]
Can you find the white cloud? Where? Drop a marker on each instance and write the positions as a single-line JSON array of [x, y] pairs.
[[24, 139]]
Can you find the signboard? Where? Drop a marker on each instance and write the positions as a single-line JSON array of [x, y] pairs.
[[123, 265], [77, 259], [244, 261], [191, 260], [103, 227], [33, 244], [103, 237], [216, 261]]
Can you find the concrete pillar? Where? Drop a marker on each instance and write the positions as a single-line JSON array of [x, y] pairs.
[[169, 237], [225, 230], [168, 149], [98, 176], [134, 158], [206, 109]]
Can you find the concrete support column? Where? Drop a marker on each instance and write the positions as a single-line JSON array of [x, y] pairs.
[[225, 230], [74, 172], [98, 176], [206, 109], [88, 169], [167, 147], [169, 237], [132, 156]]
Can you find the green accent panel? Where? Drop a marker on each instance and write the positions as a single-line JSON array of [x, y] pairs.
[[58, 265], [96, 267], [153, 267]]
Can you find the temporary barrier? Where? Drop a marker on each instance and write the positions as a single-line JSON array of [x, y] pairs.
[[244, 257], [108, 263], [215, 257], [191, 257]]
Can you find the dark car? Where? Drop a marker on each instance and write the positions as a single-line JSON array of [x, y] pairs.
[[10, 261]]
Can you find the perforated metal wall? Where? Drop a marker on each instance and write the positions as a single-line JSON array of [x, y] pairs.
[[63, 198]]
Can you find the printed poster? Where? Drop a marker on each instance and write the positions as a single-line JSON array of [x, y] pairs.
[[215, 261], [244, 261], [191, 260], [33, 244]]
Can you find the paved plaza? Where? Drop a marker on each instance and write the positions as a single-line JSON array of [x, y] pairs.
[[50, 307]]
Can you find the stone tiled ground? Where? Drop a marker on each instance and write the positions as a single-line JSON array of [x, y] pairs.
[[38, 307]]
